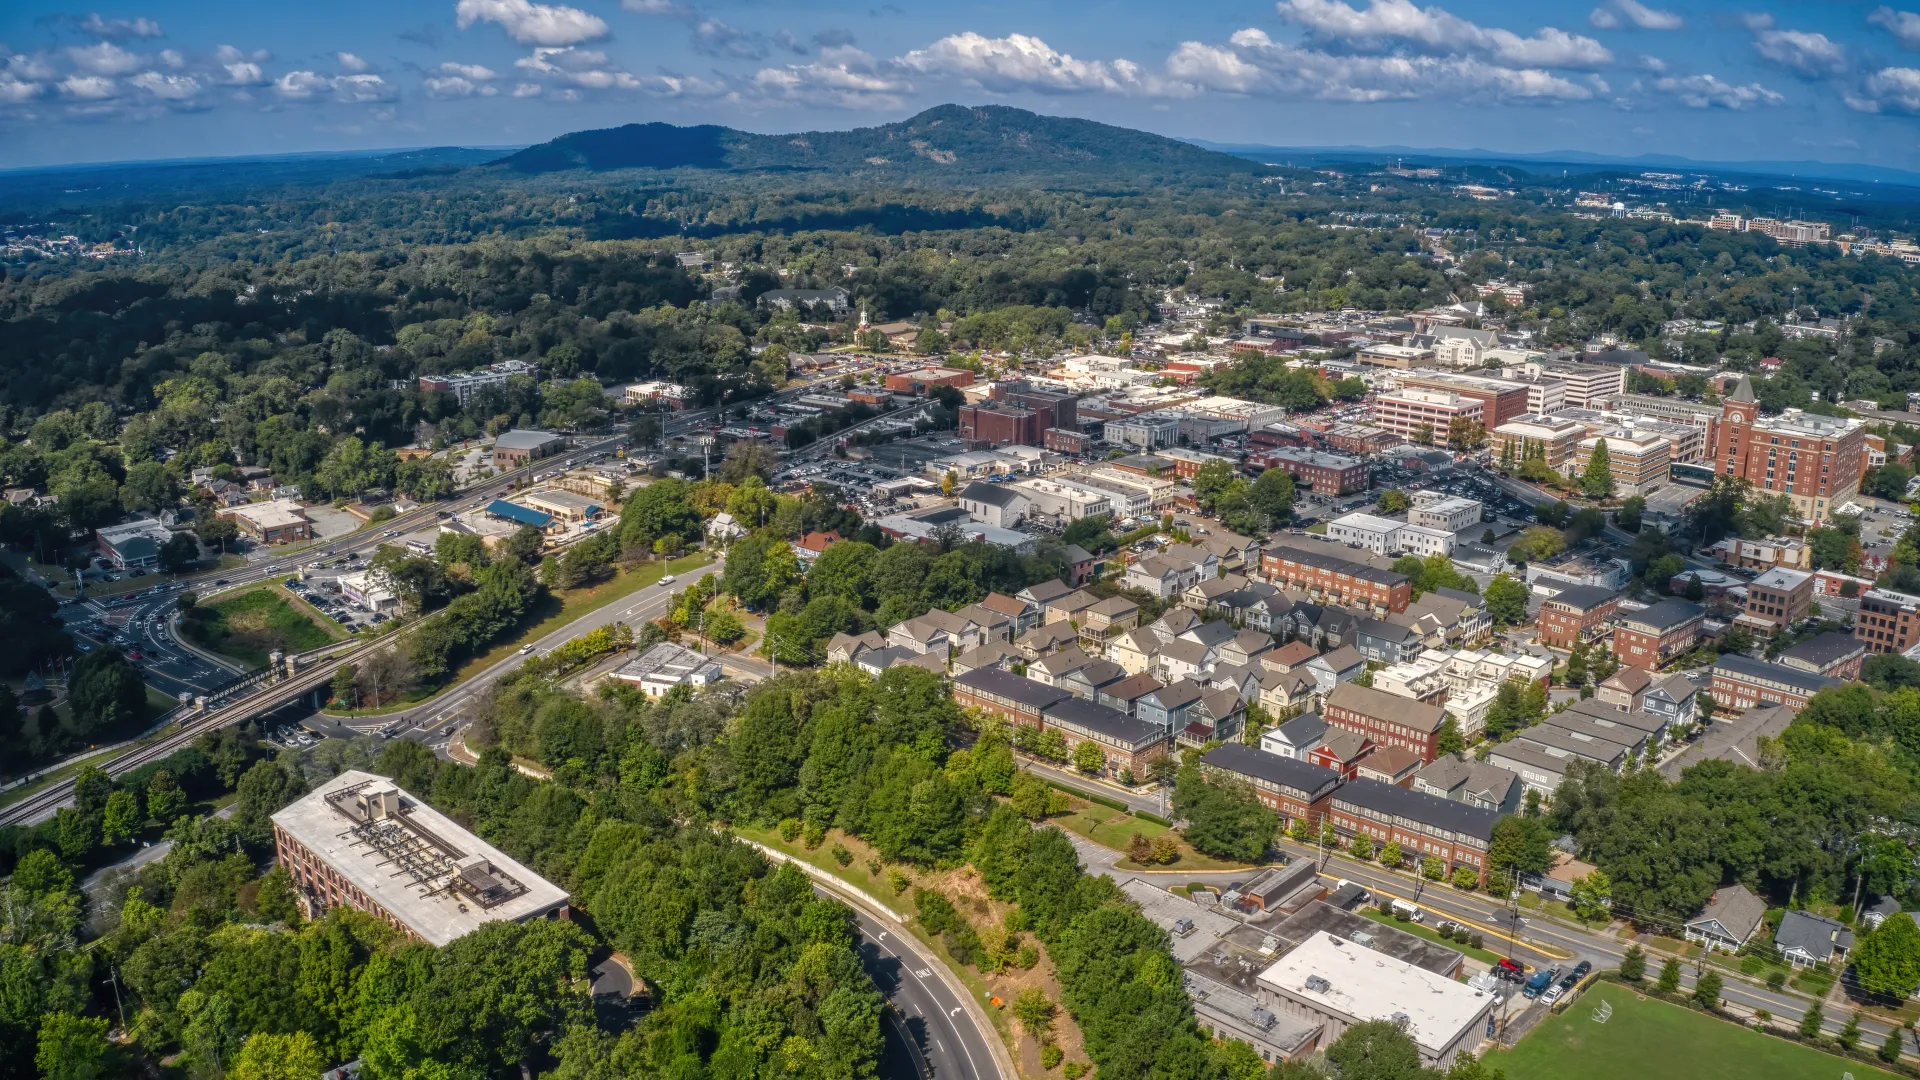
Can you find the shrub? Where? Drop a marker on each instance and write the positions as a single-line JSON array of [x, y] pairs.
[[1139, 848], [1155, 818], [1050, 1056], [813, 835], [898, 881], [1165, 850], [1776, 980], [1477, 941], [1016, 920], [1027, 957], [841, 855], [789, 829], [874, 866], [1074, 1070]]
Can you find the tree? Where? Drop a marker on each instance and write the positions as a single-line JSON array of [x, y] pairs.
[[1670, 976], [1706, 989], [1507, 600], [120, 820], [1465, 433], [1034, 1012], [263, 790], [1376, 1050], [1448, 739], [165, 800], [1849, 1036], [1433, 868], [72, 1048], [345, 678], [1089, 758], [1811, 1022], [215, 531], [1633, 964], [107, 693], [1392, 501], [1892, 1046], [1208, 483], [1362, 847], [180, 553], [1592, 894], [1628, 517], [1522, 845], [1597, 480], [1224, 818], [1888, 960], [1391, 855], [1423, 434], [267, 1056]]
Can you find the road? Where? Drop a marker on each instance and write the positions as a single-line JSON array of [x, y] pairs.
[[945, 1043]]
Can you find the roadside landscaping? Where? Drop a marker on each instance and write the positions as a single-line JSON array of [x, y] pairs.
[[1653, 1040], [246, 627], [1115, 829], [1407, 926]]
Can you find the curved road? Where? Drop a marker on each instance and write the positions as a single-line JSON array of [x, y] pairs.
[[944, 1042]]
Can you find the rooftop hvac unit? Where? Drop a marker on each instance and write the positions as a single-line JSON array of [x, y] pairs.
[[1262, 1018], [1182, 927], [1361, 938], [1318, 984], [1401, 1020]]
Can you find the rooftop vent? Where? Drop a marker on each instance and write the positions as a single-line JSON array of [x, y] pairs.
[[1262, 1018], [1318, 984]]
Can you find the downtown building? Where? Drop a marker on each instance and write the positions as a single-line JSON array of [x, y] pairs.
[[1815, 461]]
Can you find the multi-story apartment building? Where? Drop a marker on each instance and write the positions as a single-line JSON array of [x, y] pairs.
[[1292, 787], [1325, 473], [465, 384], [1888, 621], [1775, 599], [359, 841], [1741, 683], [1551, 437], [1500, 400], [1575, 614], [1424, 825], [1386, 719], [1650, 637], [1324, 574], [1639, 463], [1813, 460], [1412, 413]]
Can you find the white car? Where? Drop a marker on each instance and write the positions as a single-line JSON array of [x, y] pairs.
[[668, 580]]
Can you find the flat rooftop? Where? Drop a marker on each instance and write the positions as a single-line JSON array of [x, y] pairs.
[[1193, 929], [440, 880], [271, 515], [1351, 980]]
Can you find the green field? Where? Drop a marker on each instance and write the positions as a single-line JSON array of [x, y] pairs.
[[1652, 1040], [249, 625]]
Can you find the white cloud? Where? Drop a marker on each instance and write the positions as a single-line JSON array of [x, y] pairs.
[[1019, 62], [474, 72], [357, 89], [1710, 91], [89, 87], [121, 28], [1388, 22], [300, 85], [173, 59], [167, 87], [716, 38], [103, 58], [350, 63], [843, 77], [244, 73], [1253, 63], [527, 90], [1803, 51], [16, 91], [589, 69], [546, 25], [453, 86], [1620, 14], [670, 8], [1903, 25], [1889, 90]]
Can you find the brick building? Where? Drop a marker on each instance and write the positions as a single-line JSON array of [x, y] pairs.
[[1290, 787], [1407, 412], [997, 423], [1741, 683], [1815, 461], [1574, 614], [1775, 599], [358, 841], [1353, 584], [1650, 638], [1358, 438], [1833, 654], [1128, 743], [1500, 400], [1386, 719], [1325, 473], [922, 380], [1425, 826], [1006, 695], [1888, 622]]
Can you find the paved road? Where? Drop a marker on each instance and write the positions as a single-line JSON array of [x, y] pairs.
[[945, 1043]]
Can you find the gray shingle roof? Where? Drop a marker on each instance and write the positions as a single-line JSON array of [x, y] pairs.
[[1310, 780], [991, 494]]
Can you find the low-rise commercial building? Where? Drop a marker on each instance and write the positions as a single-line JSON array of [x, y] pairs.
[[279, 521], [1640, 464], [371, 590], [1741, 683], [1833, 654], [1340, 983], [567, 506], [1149, 432], [666, 666], [359, 841], [136, 544], [1650, 637], [1500, 400], [1888, 621], [1428, 414], [1323, 472], [1385, 536], [1549, 438], [1776, 599], [1448, 513], [922, 381]]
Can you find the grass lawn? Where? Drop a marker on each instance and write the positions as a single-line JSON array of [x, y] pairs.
[[247, 626], [1114, 828], [1652, 1040], [1419, 931]]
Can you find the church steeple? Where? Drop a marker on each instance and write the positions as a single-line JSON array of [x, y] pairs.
[[1743, 393]]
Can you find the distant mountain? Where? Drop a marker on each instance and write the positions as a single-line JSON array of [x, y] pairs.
[[1545, 160], [951, 141]]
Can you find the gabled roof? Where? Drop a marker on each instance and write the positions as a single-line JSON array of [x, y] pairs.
[[1676, 686], [1050, 589], [1582, 598], [1175, 622], [1303, 729], [1629, 680], [1184, 692], [1290, 655], [1738, 911], [1211, 634], [1047, 635], [1252, 642], [1343, 745], [1815, 935], [856, 642], [1824, 649], [984, 616], [1097, 674], [1070, 659], [1664, 616], [1381, 705], [1077, 555], [1747, 667], [1344, 658], [990, 494], [1004, 604], [1141, 640], [1309, 779], [1114, 607], [992, 653], [1389, 631], [1185, 651], [1073, 602], [1132, 688]]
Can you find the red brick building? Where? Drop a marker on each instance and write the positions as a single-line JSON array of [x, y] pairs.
[[1294, 789], [1386, 719], [996, 423], [1353, 584], [1425, 826], [1888, 622], [922, 380], [1576, 614], [1741, 683], [1359, 438], [1815, 461], [1326, 474], [1064, 441], [1650, 638]]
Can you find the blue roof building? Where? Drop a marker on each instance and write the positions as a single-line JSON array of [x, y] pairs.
[[522, 515]]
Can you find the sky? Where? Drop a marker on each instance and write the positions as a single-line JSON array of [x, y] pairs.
[[154, 79]]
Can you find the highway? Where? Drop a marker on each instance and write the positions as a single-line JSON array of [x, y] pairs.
[[943, 1041]]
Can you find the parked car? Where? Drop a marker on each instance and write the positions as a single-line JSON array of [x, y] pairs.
[[1580, 970], [1552, 995], [1540, 981], [1510, 969]]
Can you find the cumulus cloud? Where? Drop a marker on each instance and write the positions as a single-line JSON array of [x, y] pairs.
[[350, 63], [120, 29], [1893, 89], [717, 38], [1800, 50], [175, 88], [88, 87], [1625, 14], [104, 58], [545, 25], [1252, 63], [1019, 62], [1399, 22], [527, 90], [475, 72], [17, 91], [358, 89], [1903, 25], [1711, 92], [453, 80], [300, 85], [672, 9], [843, 77]]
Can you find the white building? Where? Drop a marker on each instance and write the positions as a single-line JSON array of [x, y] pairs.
[[1064, 501], [666, 666], [1340, 983], [998, 505], [371, 590], [1385, 536], [1438, 510], [1143, 432]]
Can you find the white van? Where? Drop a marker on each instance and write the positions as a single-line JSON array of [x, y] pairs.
[[1413, 914]]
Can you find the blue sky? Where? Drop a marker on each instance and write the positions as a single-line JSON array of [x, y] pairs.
[[163, 78]]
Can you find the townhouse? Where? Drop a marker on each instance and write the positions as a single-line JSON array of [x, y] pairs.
[[1650, 637], [1385, 718], [1291, 787], [1576, 614], [1425, 826], [1326, 575], [1741, 683]]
